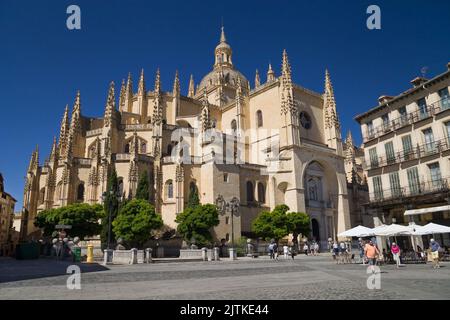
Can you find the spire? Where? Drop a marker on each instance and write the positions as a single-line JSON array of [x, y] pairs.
[[157, 108], [222, 35], [141, 87], [77, 104], [176, 84], [34, 160], [270, 74], [349, 139], [286, 71], [257, 80], [331, 118], [53, 152], [191, 91], [128, 94], [122, 95], [134, 150], [110, 107], [158, 82], [205, 111], [76, 113], [64, 131], [239, 97]]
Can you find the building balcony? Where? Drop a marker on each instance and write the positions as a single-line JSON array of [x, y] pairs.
[[420, 151], [403, 193], [407, 119]]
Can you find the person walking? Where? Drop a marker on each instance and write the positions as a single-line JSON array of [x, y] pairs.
[[286, 251], [292, 251], [336, 252], [342, 253], [271, 251], [371, 252], [435, 253], [361, 250], [395, 249], [275, 251], [316, 248], [305, 248]]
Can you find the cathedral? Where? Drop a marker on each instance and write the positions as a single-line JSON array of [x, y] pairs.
[[271, 143]]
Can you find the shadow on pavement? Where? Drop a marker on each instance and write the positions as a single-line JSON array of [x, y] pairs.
[[16, 270]]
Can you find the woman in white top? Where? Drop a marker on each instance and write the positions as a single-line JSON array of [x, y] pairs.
[[286, 251]]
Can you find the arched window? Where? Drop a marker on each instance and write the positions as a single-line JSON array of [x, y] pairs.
[[169, 189], [250, 194], [259, 119], [58, 192], [80, 192], [127, 148], [169, 150], [261, 192], [41, 196], [120, 188], [213, 123], [143, 147], [233, 125]]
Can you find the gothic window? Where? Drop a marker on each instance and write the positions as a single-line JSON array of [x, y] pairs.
[[233, 125], [41, 196], [261, 193], [213, 123], [259, 119], [250, 194], [58, 193], [80, 192], [169, 150], [169, 189], [312, 190], [127, 148], [305, 120], [143, 147]]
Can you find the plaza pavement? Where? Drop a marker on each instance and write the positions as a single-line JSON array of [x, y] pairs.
[[305, 278]]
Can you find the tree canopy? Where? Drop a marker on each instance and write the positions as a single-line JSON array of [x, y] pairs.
[[142, 190], [279, 223], [83, 218], [196, 223], [135, 221]]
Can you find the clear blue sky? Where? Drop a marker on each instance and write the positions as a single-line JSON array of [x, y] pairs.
[[42, 63]]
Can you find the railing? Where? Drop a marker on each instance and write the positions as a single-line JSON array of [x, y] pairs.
[[95, 132], [422, 188], [123, 156], [423, 150], [84, 161], [407, 119], [132, 127]]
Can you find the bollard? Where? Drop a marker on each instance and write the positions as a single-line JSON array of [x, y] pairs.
[[90, 253], [108, 256], [216, 253], [210, 254], [204, 254], [232, 252], [133, 256], [148, 255]]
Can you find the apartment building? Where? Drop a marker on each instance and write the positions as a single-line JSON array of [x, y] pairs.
[[406, 142]]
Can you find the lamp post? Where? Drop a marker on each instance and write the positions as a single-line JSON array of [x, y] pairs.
[[233, 207]]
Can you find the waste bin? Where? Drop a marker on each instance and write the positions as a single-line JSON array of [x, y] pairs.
[[76, 254]]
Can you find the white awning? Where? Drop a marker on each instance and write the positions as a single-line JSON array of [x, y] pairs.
[[426, 210], [359, 231]]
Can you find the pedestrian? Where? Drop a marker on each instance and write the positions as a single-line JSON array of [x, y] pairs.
[[271, 251], [275, 251], [305, 248], [435, 253], [371, 252], [395, 249], [316, 248], [336, 252], [361, 250], [286, 251], [342, 252], [292, 251]]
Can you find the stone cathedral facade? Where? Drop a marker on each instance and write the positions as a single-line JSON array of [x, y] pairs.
[[302, 166]]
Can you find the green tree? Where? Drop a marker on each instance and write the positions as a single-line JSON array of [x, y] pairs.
[[142, 191], [193, 200], [298, 222], [196, 222], [111, 205], [135, 222], [272, 225], [83, 218]]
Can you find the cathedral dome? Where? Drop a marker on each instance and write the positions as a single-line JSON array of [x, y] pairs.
[[229, 77]]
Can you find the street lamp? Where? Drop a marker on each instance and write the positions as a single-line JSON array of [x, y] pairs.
[[233, 207]]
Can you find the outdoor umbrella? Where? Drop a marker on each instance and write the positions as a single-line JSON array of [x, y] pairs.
[[431, 228], [359, 231], [392, 230]]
